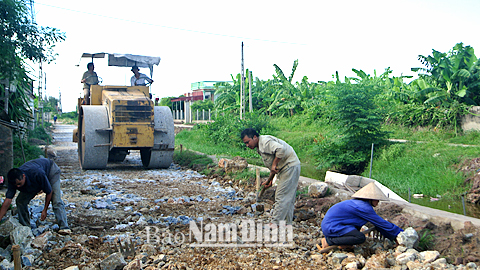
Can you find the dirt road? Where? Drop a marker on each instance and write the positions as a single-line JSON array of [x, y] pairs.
[[125, 199], [154, 209]]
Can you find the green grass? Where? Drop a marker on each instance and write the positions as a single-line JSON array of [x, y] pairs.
[[429, 167], [248, 176], [41, 133], [197, 141], [191, 159], [432, 135]]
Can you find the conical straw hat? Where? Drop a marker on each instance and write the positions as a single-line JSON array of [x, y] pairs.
[[370, 191]]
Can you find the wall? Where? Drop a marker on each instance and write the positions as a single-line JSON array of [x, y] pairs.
[[470, 121]]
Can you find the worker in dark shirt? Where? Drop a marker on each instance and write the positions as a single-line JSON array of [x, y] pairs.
[[342, 222], [32, 177]]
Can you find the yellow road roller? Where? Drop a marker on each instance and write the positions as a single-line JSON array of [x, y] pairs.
[[123, 118]]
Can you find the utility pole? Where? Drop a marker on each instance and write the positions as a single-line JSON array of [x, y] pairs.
[[59, 107], [40, 83], [250, 92], [242, 87]]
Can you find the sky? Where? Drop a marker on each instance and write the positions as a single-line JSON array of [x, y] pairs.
[[201, 40]]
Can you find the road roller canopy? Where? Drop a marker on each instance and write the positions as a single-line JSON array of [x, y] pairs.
[[126, 60]]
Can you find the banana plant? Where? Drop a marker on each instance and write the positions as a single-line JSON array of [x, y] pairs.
[[287, 96], [451, 76], [228, 95]]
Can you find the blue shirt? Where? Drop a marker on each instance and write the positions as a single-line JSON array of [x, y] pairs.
[[36, 178], [350, 215]]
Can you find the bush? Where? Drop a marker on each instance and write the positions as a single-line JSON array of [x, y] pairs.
[[356, 124], [40, 133], [226, 129], [69, 115], [31, 152]]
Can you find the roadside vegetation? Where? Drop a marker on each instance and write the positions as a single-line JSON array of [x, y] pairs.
[[23, 44], [332, 125], [27, 148], [69, 118]]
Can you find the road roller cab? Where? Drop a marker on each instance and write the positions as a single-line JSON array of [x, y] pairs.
[[123, 118]]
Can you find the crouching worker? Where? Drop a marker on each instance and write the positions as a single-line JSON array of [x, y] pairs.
[[343, 221], [32, 177]]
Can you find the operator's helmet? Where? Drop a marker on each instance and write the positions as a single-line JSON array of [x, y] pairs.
[[135, 68]]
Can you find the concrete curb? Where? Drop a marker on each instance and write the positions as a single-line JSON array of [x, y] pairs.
[[425, 213]]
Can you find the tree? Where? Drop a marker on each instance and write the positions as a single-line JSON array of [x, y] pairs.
[[166, 101], [21, 39], [228, 95], [453, 77], [357, 124]]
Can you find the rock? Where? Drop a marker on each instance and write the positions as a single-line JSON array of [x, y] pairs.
[[337, 258], [400, 249], [100, 205], [351, 266], [141, 221], [440, 263], [415, 265], [302, 214], [5, 254], [376, 261], [242, 211], [142, 258], [148, 249], [318, 189], [471, 258], [391, 259], [471, 266], [51, 153], [317, 257], [82, 239], [409, 255], [41, 241], [27, 260], [8, 226], [72, 268], [21, 236], [428, 256], [159, 258], [467, 237], [237, 164], [134, 265], [5, 264], [408, 237], [113, 262]]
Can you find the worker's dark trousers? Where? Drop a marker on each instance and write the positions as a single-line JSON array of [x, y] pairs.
[[23, 199], [351, 238]]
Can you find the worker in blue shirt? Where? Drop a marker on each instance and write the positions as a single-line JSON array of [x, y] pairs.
[[343, 221], [32, 177]]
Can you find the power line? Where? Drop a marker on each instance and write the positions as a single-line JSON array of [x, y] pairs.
[[170, 27]]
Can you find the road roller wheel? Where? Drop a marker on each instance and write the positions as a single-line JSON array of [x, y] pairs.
[[93, 142], [161, 158]]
